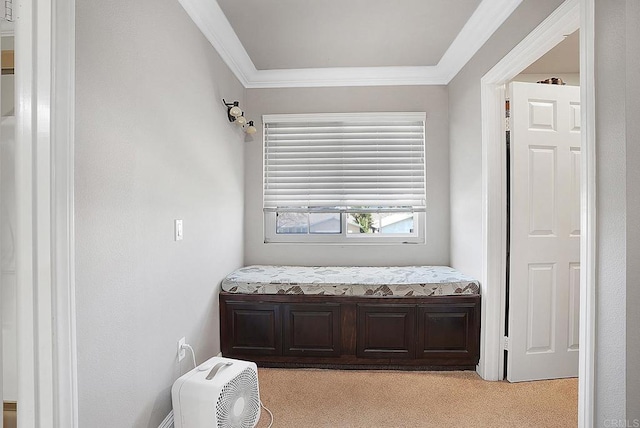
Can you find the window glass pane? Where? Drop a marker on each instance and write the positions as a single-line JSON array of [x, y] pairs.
[[292, 223], [384, 223], [321, 223], [395, 223]]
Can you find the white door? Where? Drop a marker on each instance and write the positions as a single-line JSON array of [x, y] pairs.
[[544, 263]]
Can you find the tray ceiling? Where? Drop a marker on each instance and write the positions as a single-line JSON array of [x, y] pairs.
[[305, 43], [337, 33]]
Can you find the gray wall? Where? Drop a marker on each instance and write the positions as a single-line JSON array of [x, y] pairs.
[[465, 132], [153, 144], [632, 121], [430, 99], [611, 211], [617, 72]]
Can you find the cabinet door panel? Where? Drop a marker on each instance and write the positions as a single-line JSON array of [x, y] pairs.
[[446, 331], [255, 329], [386, 331], [312, 330]]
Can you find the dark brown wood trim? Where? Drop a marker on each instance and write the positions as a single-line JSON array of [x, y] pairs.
[[10, 406]]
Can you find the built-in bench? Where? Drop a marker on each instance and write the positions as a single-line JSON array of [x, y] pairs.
[[351, 317]]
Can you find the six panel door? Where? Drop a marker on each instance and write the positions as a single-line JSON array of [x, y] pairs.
[[544, 278]]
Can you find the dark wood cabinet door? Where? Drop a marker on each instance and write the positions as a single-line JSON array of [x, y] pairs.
[[312, 330], [386, 331], [253, 329], [446, 331]]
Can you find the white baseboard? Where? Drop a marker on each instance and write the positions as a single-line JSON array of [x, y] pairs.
[[168, 421]]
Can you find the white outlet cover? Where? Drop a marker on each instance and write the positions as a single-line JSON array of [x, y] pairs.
[[178, 230], [181, 351]]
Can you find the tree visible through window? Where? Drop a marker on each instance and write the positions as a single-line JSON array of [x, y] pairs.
[[364, 221]]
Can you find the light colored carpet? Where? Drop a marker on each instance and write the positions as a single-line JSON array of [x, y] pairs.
[[302, 398]]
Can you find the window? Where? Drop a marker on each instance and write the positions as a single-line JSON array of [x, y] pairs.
[[344, 178]]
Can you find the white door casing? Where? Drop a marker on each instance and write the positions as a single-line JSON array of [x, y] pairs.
[[45, 76], [544, 293]]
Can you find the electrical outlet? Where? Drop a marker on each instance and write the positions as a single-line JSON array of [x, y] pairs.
[[178, 230], [181, 351]]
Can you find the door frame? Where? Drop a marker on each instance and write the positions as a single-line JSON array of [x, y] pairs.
[[45, 262], [568, 17]]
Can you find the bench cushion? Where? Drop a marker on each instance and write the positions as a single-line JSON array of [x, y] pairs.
[[356, 281]]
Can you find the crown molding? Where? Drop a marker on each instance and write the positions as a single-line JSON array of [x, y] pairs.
[[213, 24], [486, 19], [347, 76]]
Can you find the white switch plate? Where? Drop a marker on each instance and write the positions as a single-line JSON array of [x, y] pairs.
[[178, 230], [181, 351]]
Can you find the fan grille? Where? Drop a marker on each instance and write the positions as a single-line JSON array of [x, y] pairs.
[[238, 404]]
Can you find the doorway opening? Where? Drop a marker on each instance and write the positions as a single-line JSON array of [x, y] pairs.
[[542, 127], [563, 21]]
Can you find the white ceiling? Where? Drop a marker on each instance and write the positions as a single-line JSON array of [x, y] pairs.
[[355, 33], [305, 43]]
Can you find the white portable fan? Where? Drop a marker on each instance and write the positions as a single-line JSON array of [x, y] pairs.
[[220, 392]]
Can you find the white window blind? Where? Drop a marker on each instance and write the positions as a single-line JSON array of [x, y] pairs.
[[344, 162]]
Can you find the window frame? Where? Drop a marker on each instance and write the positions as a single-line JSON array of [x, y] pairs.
[[418, 236]]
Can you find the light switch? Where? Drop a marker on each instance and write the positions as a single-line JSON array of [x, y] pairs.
[[178, 230]]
